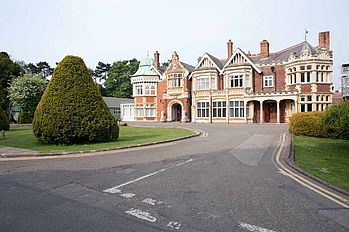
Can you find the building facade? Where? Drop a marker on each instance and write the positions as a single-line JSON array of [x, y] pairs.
[[162, 93], [345, 81], [243, 87]]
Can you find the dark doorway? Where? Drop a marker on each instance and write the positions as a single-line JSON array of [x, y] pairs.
[[270, 109], [176, 112]]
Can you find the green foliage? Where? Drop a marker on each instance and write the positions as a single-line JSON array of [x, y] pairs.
[[118, 83], [8, 70], [26, 91], [307, 123], [26, 117], [336, 120], [4, 123], [72, 111]]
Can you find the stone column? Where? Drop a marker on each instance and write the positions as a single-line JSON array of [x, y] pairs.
[[261, 118], [245, 106], [278, 111]]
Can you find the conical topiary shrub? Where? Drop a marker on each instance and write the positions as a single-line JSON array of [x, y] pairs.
[[72, 110]]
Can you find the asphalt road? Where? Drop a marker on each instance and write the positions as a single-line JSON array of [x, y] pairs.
[[226, 181]]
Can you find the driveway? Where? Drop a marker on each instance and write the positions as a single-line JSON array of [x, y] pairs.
[[225, 180]]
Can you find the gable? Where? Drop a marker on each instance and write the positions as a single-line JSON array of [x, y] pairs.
[[239, 57], [207, 61]]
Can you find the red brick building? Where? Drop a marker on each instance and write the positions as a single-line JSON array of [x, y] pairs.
[[162, 93], [267, 87]]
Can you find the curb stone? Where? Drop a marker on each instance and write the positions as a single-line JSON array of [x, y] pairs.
[[196, 134], [290, 162]]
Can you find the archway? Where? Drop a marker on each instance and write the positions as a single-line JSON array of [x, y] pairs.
[[176, 112]]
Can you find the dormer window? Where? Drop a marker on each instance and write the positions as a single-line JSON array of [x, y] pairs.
[[268, 81], [175, 80]]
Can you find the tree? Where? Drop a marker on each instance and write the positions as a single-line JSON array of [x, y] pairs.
[[26, 91], [102, 70], [4, 123], [72, 110], [44, 68], [118, 83], [8, 70]]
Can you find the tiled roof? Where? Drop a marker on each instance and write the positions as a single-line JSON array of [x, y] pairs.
[[188, 67], [284, 54], [115, 102], [217, 61]]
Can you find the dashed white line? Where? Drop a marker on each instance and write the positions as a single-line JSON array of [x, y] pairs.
[[112, 190], [253, 228], [174, 225], [145, 176], [127, 195], [152, 201], [141, 215]]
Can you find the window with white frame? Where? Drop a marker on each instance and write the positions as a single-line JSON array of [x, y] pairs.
[[149, 110], [149, 90], [139, 110], [268, 81], [205, 83], [203, 109], [152, 90], [175, 80], [138, 90], [236, 109], [219, 109], [236, 81]]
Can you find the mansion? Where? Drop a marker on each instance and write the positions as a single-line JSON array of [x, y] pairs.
[[267, 87]]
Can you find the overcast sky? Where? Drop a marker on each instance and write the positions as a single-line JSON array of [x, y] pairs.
[[106, 30]]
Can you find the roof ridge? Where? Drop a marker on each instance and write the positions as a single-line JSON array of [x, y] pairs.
[[288, 48]]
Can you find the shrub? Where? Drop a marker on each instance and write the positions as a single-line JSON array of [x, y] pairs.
[[25, 117], [123, 124], [71, 110], [307, 124], [4, 123], [336, 120]]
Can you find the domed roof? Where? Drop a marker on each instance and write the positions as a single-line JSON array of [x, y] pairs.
[[145, 67]]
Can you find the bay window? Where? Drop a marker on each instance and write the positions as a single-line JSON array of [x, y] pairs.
[[236, 109], [203, 109]]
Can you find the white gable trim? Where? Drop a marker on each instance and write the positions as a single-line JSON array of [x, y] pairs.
[[239, 51], [202, 60], [157, 71]]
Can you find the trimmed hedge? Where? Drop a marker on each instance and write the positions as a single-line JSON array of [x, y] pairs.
[[25, 117], [4, 123], [336, 120], [307, 124], [71, 110]]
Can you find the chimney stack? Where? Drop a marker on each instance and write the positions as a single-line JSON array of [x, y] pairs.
[[230, 48], [264, 46], [199, 58], [157, 60], [324, 40]]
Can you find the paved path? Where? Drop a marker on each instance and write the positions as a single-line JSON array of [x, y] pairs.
[[226, 181]]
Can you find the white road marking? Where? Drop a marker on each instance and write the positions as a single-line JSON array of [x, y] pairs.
[[152, 201], [141, 215], [253, 228], [112, 190], [127, 195], [146, 176], [323, 192], [174, 225]]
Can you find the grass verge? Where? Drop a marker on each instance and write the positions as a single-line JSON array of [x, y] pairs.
[[22, 137], [327, 159]]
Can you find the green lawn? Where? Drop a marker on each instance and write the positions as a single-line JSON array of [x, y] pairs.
[[23, 137], [327, 159]]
